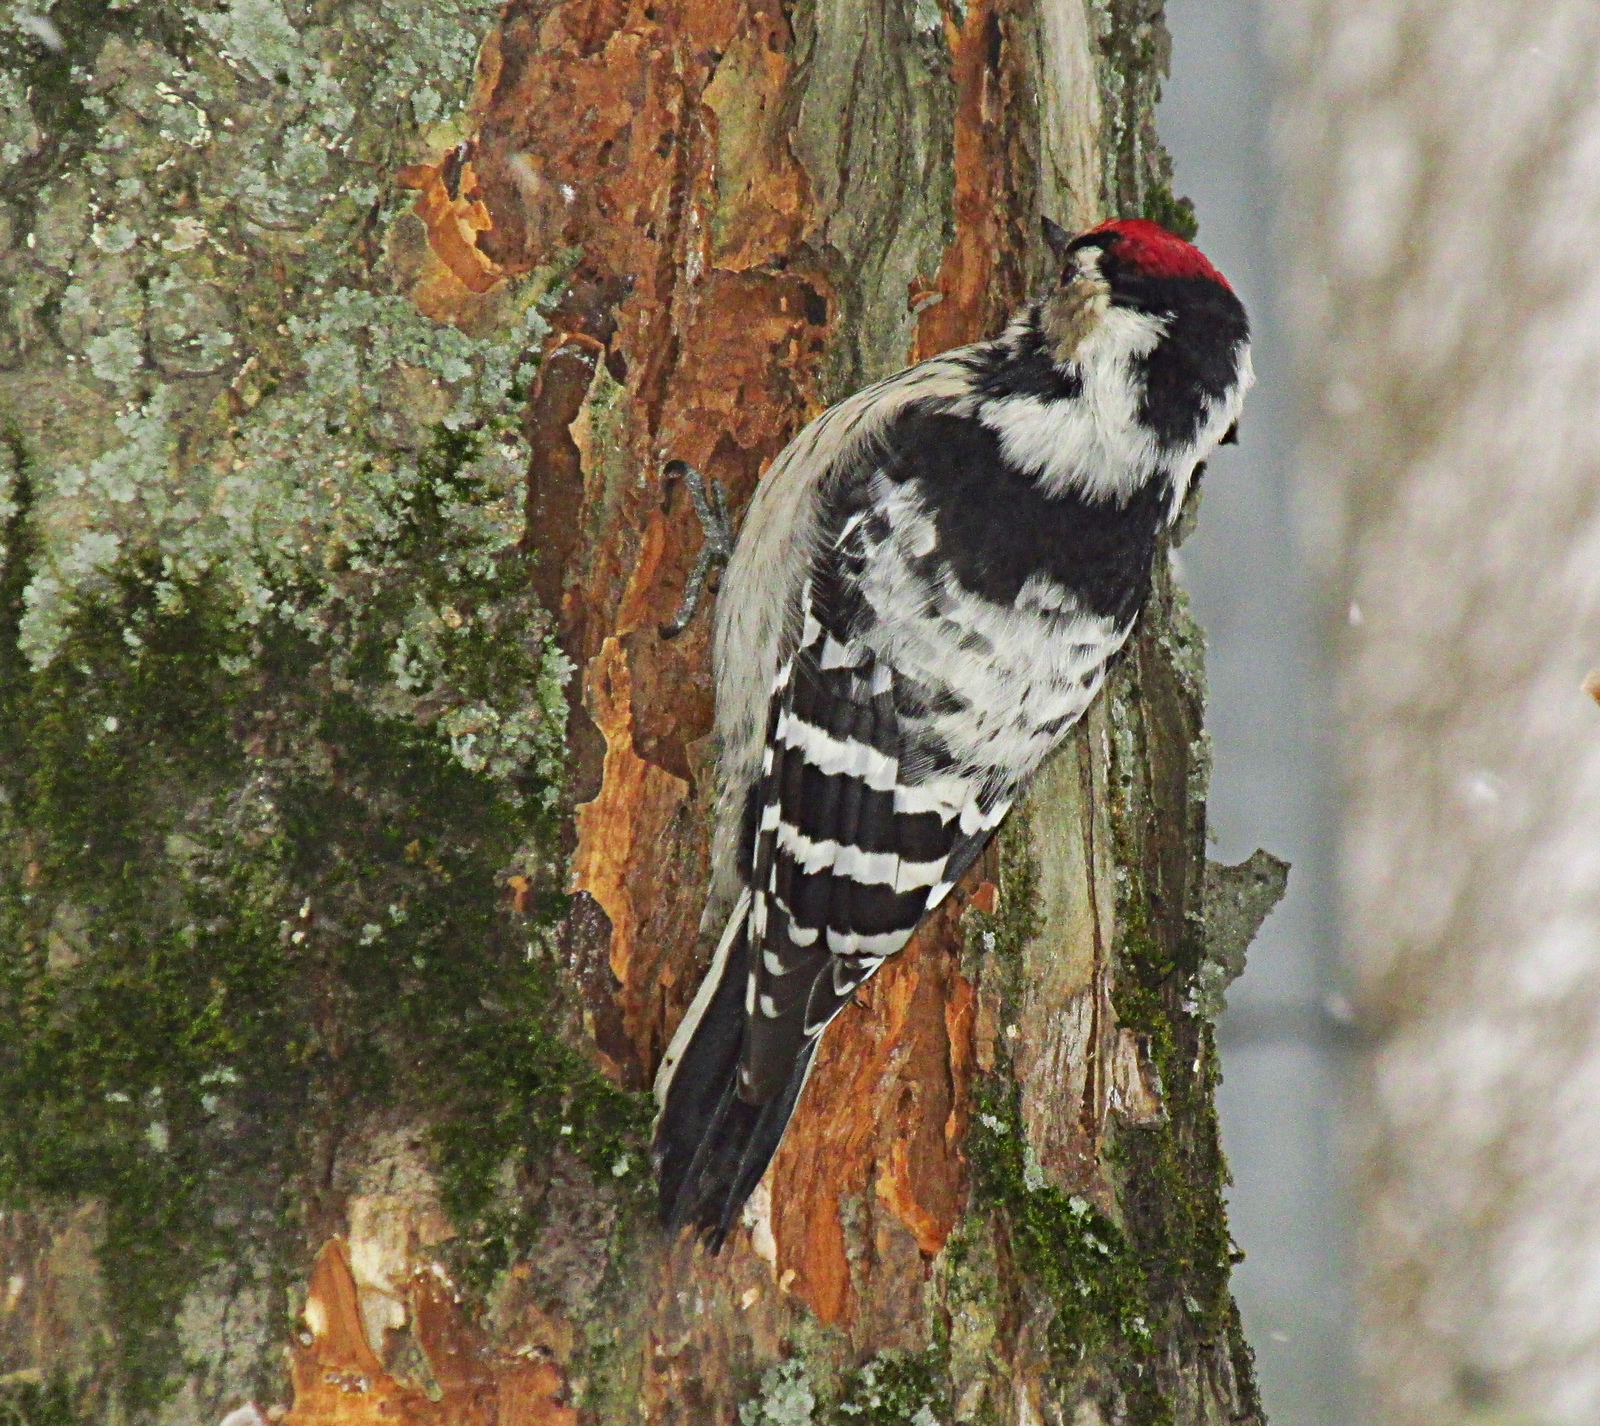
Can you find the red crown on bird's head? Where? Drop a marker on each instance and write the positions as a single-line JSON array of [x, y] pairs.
[[1151, 249]]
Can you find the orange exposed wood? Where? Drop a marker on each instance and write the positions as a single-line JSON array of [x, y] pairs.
[[621, 828], [453, 220], [653, 140], [340, 1381], [978, 284], [530, 1395], [761, 192], [650, 138], [879, 1125]]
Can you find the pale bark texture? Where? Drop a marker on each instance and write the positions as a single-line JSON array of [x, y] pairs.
[[342, 948], [1446, 200]]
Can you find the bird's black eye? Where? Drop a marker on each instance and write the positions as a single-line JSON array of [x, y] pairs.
[[1230, 436]]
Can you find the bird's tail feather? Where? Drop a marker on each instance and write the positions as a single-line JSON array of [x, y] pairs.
[[711, 1147]]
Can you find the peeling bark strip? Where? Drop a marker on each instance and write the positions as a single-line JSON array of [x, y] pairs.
[[667, 138]]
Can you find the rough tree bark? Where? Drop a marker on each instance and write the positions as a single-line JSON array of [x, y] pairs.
[[337, 964]]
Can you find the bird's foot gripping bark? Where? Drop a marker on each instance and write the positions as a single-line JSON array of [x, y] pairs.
[[711, 509]]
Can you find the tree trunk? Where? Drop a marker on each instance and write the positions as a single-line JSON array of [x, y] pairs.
[[341, 950]]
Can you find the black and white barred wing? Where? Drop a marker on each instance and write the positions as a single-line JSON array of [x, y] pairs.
[[859, 828], [862, 829]]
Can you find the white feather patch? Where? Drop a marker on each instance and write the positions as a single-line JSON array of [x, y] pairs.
[[878, 945], [833, 756], [868, 868], [837, 655], [974, 820], [1095, 444]]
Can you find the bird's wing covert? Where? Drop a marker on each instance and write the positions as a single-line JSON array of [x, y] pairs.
[[859, 830]]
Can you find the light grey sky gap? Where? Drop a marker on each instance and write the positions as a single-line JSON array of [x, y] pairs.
[[1271, 787]]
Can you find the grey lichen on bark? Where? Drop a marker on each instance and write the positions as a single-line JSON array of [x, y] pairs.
[[882, 182]]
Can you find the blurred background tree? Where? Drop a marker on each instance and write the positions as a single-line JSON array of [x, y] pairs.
[[1430, 173]]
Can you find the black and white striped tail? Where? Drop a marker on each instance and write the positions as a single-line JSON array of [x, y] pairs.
[[711, 1146]]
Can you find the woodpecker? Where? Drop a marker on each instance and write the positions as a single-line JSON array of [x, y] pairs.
[[924, 597]]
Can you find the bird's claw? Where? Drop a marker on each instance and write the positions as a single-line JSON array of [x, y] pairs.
[[711, 509]]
